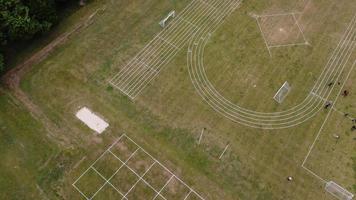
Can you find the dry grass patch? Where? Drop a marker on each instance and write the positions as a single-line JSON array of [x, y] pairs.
[[281, 29]]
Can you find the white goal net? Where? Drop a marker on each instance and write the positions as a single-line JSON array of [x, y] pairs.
[[338, 191], [164, 21], [282, 92]]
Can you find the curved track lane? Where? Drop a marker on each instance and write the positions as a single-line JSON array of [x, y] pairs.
[[293, 116]]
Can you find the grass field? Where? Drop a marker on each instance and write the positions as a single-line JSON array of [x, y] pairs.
[[167, 117]]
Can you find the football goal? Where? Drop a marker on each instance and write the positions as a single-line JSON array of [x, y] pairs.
[[164, 21], [338, 191], [282, 92]]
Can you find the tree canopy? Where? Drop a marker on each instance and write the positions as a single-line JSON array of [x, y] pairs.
[[21, 20]]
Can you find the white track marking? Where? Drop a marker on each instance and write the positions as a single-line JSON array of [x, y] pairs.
[[327, 116], [322, 98], [207, 4], [152, 41], [133, 78], [164, 40], [278, 14], [323, 124], [218, 20], [152, 77], [148, 51], [291, 117], [138, 77]]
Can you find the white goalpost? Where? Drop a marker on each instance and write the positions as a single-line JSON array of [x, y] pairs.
[[282, 92], [338, 191], [164, 21]]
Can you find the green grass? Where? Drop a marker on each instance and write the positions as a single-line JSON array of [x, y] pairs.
[[167, 118], [24, 149]]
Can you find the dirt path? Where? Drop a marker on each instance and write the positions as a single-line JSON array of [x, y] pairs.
[[13, 77]]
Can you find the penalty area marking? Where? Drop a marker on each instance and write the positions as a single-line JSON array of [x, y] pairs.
[[269, 46]]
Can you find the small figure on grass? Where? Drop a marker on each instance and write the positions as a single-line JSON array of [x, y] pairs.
[[327, 105], [345, 93], [289, 178], [353, 128], [354, 120], [330, 84], [336, 136]]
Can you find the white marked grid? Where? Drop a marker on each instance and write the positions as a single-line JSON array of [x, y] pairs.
[[125, 163]]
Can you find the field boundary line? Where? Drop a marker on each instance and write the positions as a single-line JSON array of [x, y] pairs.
[[324, 122], [300, 29], [264, 37]]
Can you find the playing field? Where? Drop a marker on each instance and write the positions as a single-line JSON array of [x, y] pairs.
[[191, 106]]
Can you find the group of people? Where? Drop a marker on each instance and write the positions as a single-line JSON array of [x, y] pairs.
[[345, 93]]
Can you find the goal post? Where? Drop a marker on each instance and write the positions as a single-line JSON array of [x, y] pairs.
[[338, 191], [282, 92], [164, 21]]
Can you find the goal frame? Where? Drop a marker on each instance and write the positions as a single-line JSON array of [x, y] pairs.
[[279, 96], [337, 191], [170, 15]]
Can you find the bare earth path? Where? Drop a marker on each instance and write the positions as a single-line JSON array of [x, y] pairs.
[[13, 77]]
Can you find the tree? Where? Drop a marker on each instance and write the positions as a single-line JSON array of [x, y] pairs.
[[22, 20], [2, 66]]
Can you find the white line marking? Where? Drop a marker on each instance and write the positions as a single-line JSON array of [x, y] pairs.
[[201, 135], [124, 163], [159, 192], [221, 155], [300, 29], [323, 124], [141, 177], [264, 38], [108, 180]]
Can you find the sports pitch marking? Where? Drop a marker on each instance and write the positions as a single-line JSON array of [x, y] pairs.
[[322, 127], [309, 107], [270, 46], [137, 74], [197, 22], [191, 193]]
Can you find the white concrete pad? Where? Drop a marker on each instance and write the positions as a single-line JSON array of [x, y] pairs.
[[91, 120]]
